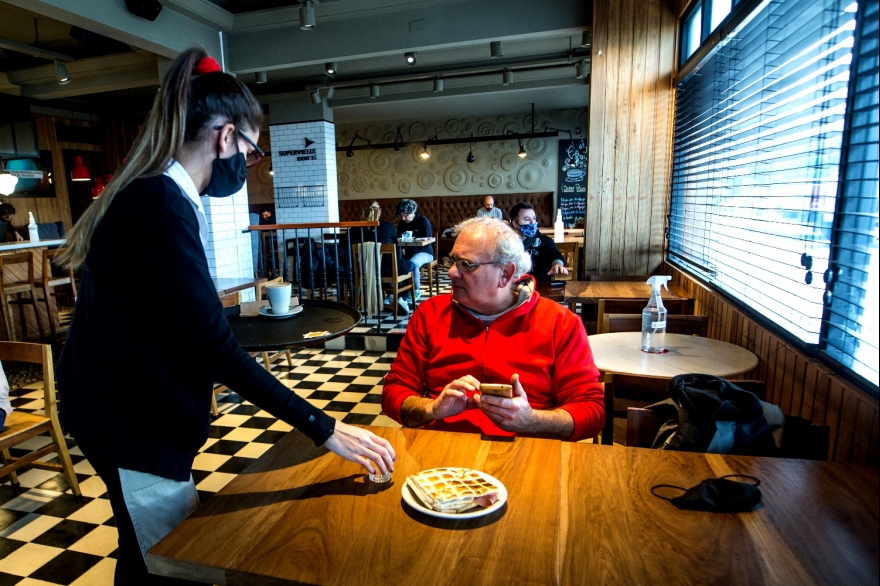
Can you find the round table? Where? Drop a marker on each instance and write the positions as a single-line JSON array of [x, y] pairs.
[[621, 353], [259, 333]]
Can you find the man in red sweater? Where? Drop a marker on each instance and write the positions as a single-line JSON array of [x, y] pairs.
[[495, 328]]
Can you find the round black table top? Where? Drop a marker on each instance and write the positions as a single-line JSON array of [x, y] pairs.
[[259, 333]]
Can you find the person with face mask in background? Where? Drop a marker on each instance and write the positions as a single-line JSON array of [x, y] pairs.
[[136, 372], [546, 258]]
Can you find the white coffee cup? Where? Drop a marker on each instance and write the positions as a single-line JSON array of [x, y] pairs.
[[407, 236], [279, 297]]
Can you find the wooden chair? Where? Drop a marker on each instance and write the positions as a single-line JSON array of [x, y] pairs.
[[623, 391], [635, 306], [24, 426], [49, 282], [14, 262], [395, 283], [433, 269], [569, 254], [268, 359], [691, 325]]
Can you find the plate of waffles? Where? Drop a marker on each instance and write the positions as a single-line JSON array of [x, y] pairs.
[[454, 493]]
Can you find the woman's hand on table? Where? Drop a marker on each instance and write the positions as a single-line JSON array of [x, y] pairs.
[[362, 447]]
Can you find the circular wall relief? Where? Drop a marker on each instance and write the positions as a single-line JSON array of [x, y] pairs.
[[510, 161], [468, 127], [482, 160], [457, 178], [362, 165], [372, 133], [263, 175], [536, 147], [360, 184], [385, 184], [405, 185], [511, 184], [380, 162], [495, 180], [485, 129], [495, 166], [417, 131], [343, 178], [426, 180], [527, 123], [546, 162], [511, 127], [482, 184], [530, 176], [501, 119], [453, 127], [443, 157], [433, 165], [454, 159], [438, 129], [402, 163], [389, 136]]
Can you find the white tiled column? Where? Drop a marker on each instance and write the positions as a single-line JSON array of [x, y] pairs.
[[229, 249]]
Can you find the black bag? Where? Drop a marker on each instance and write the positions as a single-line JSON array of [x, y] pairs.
[[706, 413]]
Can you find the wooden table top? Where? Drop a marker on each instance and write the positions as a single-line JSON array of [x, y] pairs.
[[576, 514], [593, 291], [416, 241], [621, 352], [227, 285]]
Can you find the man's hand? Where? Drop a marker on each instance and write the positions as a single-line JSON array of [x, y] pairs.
[[362, 447], [557, 269], [453, 399], [509, 414]]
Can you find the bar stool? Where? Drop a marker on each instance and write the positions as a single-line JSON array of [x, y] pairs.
[[16, 287], [50, 282]]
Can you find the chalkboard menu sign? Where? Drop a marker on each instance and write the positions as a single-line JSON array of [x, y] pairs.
[[572, 181]]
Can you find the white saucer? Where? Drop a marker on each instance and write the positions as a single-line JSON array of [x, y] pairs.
[[294, 310]]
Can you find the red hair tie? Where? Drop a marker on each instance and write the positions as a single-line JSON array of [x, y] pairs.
[[206, 65]]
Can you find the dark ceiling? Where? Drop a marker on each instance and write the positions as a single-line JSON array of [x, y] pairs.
[[239, 6]]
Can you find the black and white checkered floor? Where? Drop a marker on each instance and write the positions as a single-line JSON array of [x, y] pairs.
[[48, 536]]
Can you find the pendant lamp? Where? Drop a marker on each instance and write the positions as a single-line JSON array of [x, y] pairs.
[[98, 187], [79, 172]]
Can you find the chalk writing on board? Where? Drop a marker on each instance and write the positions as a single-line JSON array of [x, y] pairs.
[[572, 181]]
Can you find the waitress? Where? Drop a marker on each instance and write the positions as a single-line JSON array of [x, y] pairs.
[[149, 336]]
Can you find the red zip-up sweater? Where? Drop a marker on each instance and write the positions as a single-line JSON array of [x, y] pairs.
[[541, 340]]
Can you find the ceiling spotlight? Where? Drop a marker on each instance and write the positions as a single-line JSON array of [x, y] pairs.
[[508, 77], [586, 38], [374, 91], [330, 92], [522, 151], [316, 97], [438, 84], [261, 77], [398, 140], [425, 154], [61, 73], [496, 49], [350, 152], [581, 70], [410, 57], [307, 16], [330, 68]]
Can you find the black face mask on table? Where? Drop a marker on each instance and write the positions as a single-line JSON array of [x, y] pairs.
[[717, 495], [227, 175]]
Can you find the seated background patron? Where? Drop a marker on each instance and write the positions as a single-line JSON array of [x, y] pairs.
[[489, 210], [546, 258], [412, 221], [494, 328]]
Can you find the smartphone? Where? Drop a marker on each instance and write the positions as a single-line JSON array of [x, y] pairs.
[[505, 391]]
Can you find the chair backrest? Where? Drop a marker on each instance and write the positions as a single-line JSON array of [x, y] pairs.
[[51, 230], [569, 252], [631, 306], [230, 300], [35, 354], [15, 259], [692, 325], [50, 268], [392, 250]]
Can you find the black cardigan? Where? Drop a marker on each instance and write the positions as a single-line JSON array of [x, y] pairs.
[[149, 337], [421, 228]]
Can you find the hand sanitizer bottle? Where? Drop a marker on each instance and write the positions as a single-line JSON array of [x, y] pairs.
[[558, 228], [654, 318], [33, 233]]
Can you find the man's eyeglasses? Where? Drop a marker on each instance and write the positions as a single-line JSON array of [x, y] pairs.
[[468, 267], [253, 157]]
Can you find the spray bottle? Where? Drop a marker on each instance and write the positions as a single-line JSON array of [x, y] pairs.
[[558, 228], [33, 232], [654, 318]]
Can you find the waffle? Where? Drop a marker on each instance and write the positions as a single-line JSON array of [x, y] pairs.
[[452, 490]]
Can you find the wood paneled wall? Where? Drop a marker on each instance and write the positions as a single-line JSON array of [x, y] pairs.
[[800, 385], [630, 135]]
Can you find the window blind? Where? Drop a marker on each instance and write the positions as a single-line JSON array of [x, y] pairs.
[[851, 317], [758, 134]]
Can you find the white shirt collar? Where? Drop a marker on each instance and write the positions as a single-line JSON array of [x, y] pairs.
[[176, 171]]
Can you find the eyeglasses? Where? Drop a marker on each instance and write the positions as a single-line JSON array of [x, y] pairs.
[[253, 157], [468, 267]]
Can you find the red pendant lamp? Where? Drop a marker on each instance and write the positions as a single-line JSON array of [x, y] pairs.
[[79, 172], [98, 187]]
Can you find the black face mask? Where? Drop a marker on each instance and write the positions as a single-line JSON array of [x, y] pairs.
[[227, 175], [717, 495]]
